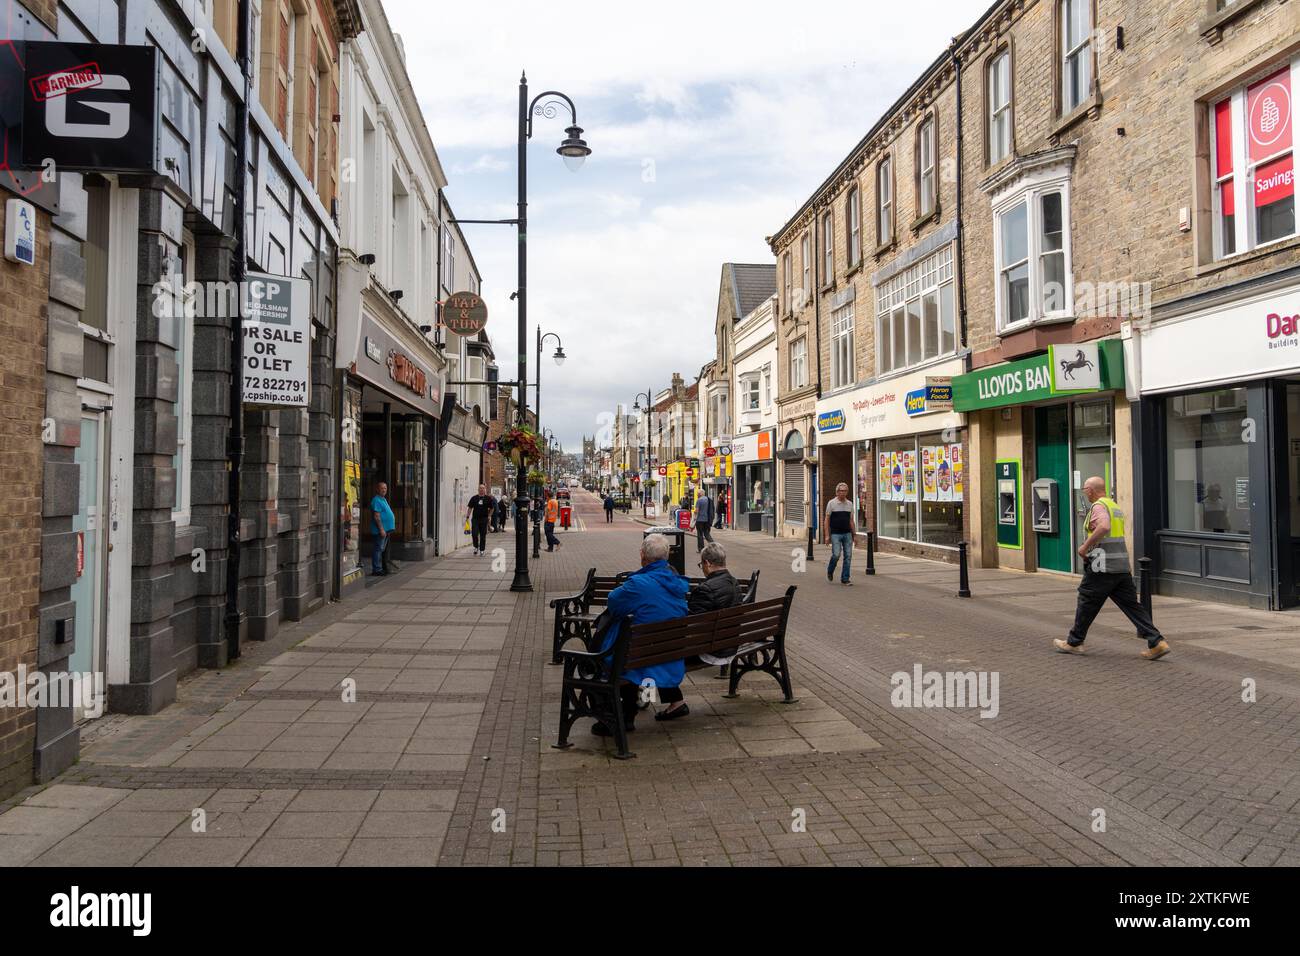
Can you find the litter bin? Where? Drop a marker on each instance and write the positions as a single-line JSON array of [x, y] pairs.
[[566, 513], [676, 546]]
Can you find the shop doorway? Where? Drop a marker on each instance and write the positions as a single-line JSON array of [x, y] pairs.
[[1289, 532], [89, 590], [1052, 452]]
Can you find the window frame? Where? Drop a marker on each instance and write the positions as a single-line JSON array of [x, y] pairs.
[[1243, 171], [787, 281], [853, 225], [843, 359], [923, 279], [828, 253], [885, 201], [1030, 193], [182, 507], [994, 112], [805, 265], [1084, 49], [927, 136], [799, 362]]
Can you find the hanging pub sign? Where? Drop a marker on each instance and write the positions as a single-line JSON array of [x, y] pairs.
[[464, 313], [277, 341], [90, 107]]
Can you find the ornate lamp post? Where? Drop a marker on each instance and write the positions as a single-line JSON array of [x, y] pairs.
[[559, 357], [649, 406]]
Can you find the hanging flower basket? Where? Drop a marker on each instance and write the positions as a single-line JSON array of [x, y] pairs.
[[536, 477], [520, 444]]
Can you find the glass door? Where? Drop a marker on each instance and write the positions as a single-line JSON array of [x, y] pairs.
[[89, 586]]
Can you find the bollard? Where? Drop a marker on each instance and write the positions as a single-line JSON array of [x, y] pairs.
[[1144, 579], [810, 542], [871, 552], [537, 537], [963, 587]]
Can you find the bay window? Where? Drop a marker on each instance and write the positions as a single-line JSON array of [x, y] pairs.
[[1252, 156], [916, 317], [1032, 249]]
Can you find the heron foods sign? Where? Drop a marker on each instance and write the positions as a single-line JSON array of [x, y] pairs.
[[1064, 371]]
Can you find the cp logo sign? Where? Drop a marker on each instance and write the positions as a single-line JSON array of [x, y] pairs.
[[118, 122]]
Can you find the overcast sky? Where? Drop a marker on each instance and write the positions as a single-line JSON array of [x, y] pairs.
[[710, 124]]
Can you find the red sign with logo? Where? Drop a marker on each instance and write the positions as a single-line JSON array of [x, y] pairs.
[[1268, 115], [684, 519], [1274, 181]]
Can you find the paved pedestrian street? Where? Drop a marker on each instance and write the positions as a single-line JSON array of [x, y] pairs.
[[412, 724]]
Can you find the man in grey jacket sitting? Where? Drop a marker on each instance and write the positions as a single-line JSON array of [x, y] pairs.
[[718, 590]]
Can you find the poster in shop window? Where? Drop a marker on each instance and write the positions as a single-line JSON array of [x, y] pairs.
[[882, 477], [895, 476], [909, 475], [958, 471], [929, 467]]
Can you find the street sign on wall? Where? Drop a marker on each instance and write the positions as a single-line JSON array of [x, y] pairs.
[[277, 341]]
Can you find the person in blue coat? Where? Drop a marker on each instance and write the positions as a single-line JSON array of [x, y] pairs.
[[654, 593]]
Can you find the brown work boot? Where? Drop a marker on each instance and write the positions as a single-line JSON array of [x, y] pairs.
[[1065, 647], [1157, 652]]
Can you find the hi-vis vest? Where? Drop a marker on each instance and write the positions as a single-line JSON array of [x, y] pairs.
[[552, 511], [1111, 554]]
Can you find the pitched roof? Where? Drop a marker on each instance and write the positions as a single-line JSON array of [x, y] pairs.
[[751, 284]]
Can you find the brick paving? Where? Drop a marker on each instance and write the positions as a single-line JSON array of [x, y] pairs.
[[440, 750]]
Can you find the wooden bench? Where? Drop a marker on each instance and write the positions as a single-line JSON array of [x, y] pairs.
[[576, 614], [591, 678]]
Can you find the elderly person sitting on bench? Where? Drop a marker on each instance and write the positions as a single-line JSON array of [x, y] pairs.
[[718, 590], [654, 593]]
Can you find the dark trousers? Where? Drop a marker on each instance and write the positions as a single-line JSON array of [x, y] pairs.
[[478, 532], [609, 516], [551, 539], [702, 534], [1094, 589]]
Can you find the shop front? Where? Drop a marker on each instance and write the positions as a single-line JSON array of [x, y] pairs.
[[716, 481], [1220, 448], [796, 468], [392, 402], [1040, 427], [754, 492], [901, 449]]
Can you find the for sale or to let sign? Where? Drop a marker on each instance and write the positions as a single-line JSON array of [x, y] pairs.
[[277, 341]]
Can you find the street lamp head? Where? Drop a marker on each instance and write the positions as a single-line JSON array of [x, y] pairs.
[[559, 355], [574, 149]]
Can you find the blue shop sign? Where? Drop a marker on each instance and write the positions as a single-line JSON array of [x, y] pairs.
[[830, 421]]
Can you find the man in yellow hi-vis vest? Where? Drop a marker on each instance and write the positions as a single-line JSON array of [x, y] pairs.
[[1106, 575]]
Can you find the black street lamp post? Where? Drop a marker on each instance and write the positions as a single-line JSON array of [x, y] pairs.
[[574, 150], [636, 404], [559, 357]]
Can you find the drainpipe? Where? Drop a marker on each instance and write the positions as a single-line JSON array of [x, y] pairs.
[[235, 446], [961, 231]]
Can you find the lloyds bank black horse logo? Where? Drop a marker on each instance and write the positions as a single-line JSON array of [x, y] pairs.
[[1080, 361]]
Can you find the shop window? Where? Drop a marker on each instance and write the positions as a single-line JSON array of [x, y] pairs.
[[916, 314], [1032, 249], [1252, 156], [920, 489], [1208, 463]]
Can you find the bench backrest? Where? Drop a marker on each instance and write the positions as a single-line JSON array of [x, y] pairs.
[[647, 644]]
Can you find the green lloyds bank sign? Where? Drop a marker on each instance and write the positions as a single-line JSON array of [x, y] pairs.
[[1066, 370]]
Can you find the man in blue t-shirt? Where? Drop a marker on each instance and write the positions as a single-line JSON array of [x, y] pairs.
[[384, 523]]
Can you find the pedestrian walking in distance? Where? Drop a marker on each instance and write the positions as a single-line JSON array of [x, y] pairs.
[[609, 509], [703, 521], [479, 512], [1106, 575], [839, 532]]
